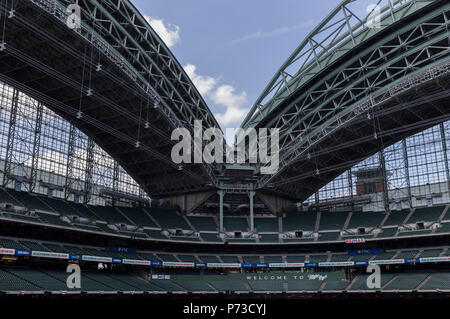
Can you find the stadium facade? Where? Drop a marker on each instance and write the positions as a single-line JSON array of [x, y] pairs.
[[85, 124]]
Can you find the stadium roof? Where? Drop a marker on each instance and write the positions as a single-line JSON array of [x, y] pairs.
[[349, 90]]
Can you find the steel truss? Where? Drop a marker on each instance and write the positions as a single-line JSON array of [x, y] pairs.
[[364, 82]]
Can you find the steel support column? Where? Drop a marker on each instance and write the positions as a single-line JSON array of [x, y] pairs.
[[221, 194], [115, 180], [70, 161], [36, 146], [444, 149], [11, 137], [89, 170], [408, 180], [252, 216], [385, 184]]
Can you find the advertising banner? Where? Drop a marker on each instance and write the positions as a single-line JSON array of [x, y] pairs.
[[136, 262], [46, 254], [97, 259], [4, 251]]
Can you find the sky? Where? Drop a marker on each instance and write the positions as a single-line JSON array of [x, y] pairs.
[[232, 48]]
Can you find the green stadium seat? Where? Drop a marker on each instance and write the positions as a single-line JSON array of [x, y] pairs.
[[269, 238], [361, 282], [396, 217], [329, 236], [407, 281], [305, 221], [209, 259], [203, 223], [388, 232], [138, 216], [210, 237], [10, 282], [439, 280], [168, 218], [273, 259], [366, 219], [266, 224], [426, 214], [332, 220], [233, 224]]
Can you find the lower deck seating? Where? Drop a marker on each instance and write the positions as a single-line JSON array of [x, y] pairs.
[[360, 283], [16, 279], [438, 281], [407, 281]]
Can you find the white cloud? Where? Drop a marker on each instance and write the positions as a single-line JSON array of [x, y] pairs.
[[273, 33], [203, 83], [169, 33], [235, 112], [223, 96]]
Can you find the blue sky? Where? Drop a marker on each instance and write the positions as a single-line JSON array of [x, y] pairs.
[[232, 48]]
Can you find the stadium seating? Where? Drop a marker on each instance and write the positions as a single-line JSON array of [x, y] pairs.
[[194, 285], [266, 286], [9, 243], [168, 218], [5, 197], [32, 202], [235, 224], [438, 281], [295, 259], [230, 259], [360, 282], [266, 224], [426, 214], [109, 214], [407, 254], [336, 285], [10, 282], [38, 279], [151, 221], [384, 255], [187, 258], [318, 258], [366, 219], [329, 236], [52, 220], [167, 285], [388, 232], [138, 216], [396, 217], [166, 257], [203, 223], [269, 238], [32, 245], [406, 281], [332, 220], [209, 259], [273, 259], [445, 228], [251, 259], [210, 237], [228, 285], [155, 234], [304, 285], [431, 253], [339, 257], [294, 221]]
